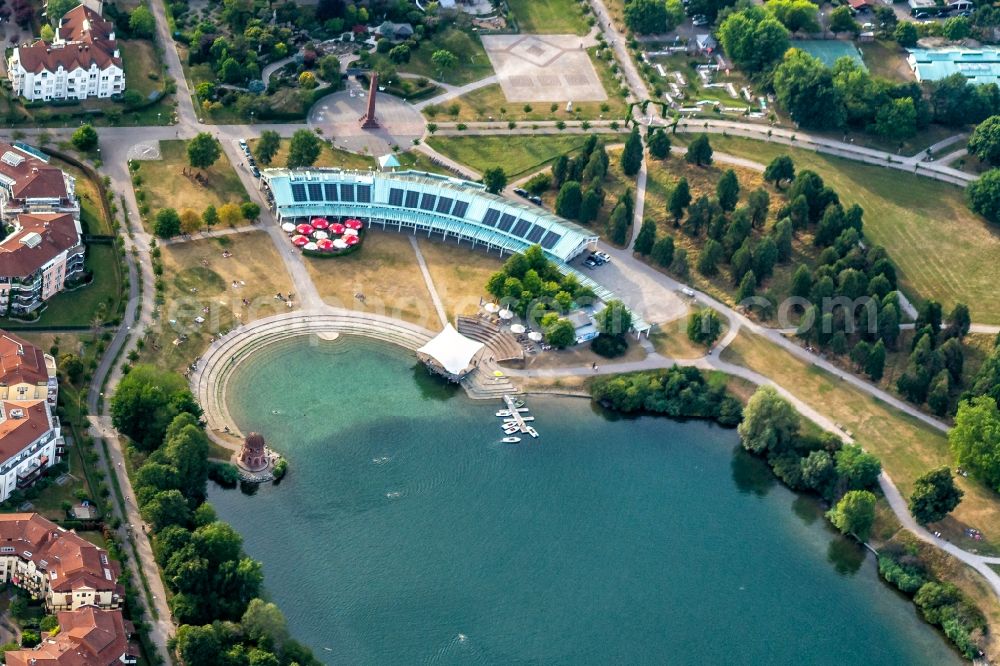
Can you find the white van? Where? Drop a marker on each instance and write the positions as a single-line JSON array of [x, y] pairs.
[[961, 6], [688, 291]]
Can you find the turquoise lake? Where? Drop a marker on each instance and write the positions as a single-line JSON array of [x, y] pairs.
[[407, 533]]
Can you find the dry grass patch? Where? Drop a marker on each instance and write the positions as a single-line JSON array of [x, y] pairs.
[[671, 340], [580, 356], [328, 157], [460, 273], [198, 277], [906, 446], [170, 183], [385, 272]]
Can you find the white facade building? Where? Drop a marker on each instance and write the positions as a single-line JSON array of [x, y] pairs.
[[82, 61]]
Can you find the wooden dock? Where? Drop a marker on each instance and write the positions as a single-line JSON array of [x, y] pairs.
[[517, 418]]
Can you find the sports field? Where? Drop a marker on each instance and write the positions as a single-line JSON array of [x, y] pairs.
[[829, 50]]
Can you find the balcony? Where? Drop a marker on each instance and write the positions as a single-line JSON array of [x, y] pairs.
[[31, 473]]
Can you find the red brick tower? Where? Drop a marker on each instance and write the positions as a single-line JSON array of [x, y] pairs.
[[368, 121]]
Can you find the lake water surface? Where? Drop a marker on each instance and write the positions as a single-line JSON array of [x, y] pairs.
[[407, 533]]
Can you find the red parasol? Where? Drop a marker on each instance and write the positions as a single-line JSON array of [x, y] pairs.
[[324, 244], [351, 240], [337, 228], [354, 224], [299, 241], [320, 223], [304, 229]]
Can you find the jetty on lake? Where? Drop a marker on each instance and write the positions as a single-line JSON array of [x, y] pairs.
[[516, 418]]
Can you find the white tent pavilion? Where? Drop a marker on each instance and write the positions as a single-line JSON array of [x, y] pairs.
[[451, 354], [387, 162]]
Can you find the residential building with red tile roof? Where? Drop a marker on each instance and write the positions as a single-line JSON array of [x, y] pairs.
[[30, 442], [86, 637], [29, 183], [43, 255], [82, 61], [57, 565], [26, 372]]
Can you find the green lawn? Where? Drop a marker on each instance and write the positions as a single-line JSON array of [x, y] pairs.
[[77, 307], [91, 211], [518, 155], [942, 250], [473, 63], [141, 65], [561, 17]]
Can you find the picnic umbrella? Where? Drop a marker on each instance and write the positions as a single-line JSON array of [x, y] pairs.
[[299, 241], [336, 228], [491, 307], [350, 232], [535, 335], [319, 223], [506, 314], [320, 235], [340, 243], [353, 224], [310, 246], [324, 244], [517, 329], [288, 226], [304, 229], [352, 240]]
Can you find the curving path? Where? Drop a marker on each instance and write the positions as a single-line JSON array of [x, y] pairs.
[[223, 357]]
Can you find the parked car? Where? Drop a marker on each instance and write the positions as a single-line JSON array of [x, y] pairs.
[[521, 192], [256, 172], [535, 200], [603, 256], [590, 263], [699, 20], [251, 161]]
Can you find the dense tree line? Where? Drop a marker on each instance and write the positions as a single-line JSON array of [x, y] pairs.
[[579, 180], [937, 359], [202, 559], [941, 604], [676, 392], [822, 464]]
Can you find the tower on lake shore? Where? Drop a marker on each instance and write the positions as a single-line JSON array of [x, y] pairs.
[[253, 455]]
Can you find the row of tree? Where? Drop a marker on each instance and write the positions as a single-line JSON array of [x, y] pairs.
[[202, 559], [676, 392], [168, 222]]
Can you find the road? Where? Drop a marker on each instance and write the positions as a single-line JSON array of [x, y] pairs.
[[654, 287]]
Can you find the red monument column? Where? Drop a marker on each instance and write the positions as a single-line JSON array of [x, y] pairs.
[[368, 121]]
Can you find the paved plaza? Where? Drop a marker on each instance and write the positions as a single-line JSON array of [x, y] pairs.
[[339, 116], [544, 68]]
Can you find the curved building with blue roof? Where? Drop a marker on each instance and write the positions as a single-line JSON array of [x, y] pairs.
[[449, 207]]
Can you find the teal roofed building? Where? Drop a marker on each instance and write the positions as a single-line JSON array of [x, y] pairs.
[[980, 65], [441, 206]]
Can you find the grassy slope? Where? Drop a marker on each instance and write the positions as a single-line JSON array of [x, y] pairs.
[[561, 17], [942, 250], [518, 155]]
